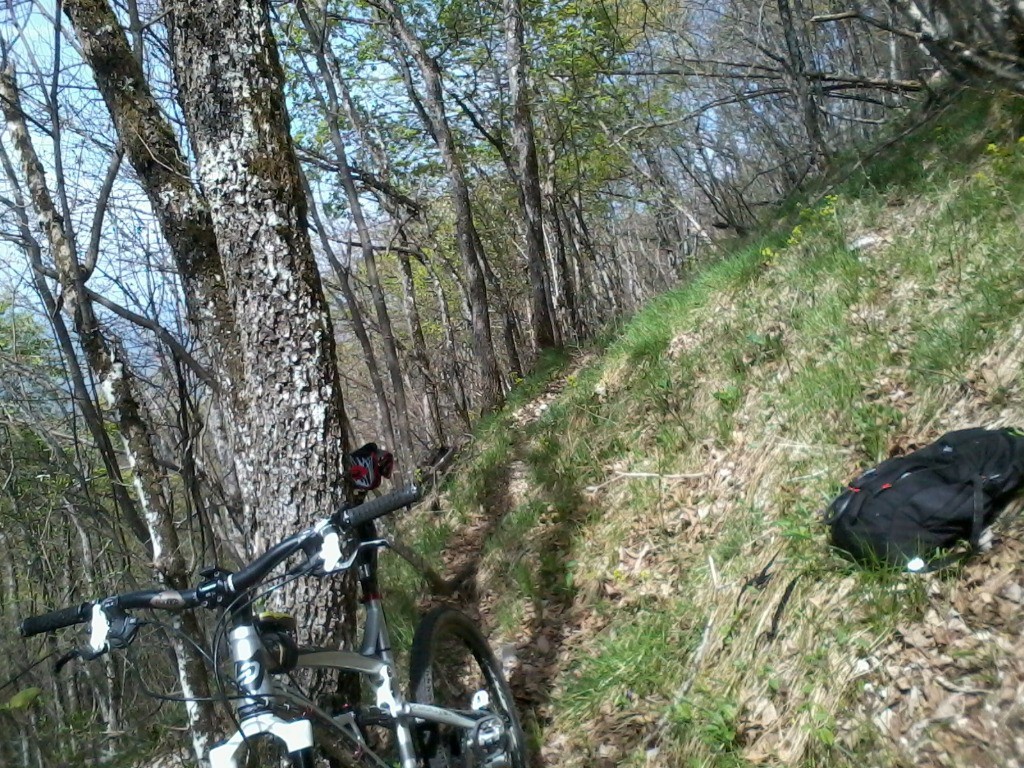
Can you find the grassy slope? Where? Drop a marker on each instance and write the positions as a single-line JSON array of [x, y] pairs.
[[646, 538]]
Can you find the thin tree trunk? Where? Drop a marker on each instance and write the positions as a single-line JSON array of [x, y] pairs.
[[802, 85], [153, 151], [355, 315], [109, 698], [509, 323], [82, 397], [490, 392], [332, 108], [371, 143], [456, 379], [528, 175], [117, 386], [432, 409], [562, 280]]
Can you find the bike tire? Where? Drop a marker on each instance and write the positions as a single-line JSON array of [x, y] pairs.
[[450, 661]]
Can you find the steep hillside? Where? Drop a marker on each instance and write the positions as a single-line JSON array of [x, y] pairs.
[[642, 525]]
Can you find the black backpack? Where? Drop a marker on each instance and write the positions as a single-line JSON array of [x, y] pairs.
[[908, 510]]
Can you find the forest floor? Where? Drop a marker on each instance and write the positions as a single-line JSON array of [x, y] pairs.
[[945, 688], [639, 530]]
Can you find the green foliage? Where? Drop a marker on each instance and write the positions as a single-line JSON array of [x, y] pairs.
[[23, 699], [31, 384], [638, 655], [712, 718]]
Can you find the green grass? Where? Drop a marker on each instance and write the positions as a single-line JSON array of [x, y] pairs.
[[634, 658], [663, 509]]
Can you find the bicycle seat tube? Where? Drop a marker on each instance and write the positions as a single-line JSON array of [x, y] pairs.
[[377, 643]]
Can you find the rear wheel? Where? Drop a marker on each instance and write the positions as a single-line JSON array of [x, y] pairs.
[[452, 666]]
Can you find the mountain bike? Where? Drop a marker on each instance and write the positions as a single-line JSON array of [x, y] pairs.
[[459, 711]]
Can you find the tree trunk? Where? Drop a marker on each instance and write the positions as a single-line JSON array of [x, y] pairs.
[[802, 86], [509, 324], [82, 398], [524, 146], [118, 388], [432, 409], [355, 315], [977, 41], [456, 379], [287, 422], [248, 273], [565, 297], [153, 151]]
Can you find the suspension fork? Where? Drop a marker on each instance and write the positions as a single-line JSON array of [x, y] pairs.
[[252, 676]]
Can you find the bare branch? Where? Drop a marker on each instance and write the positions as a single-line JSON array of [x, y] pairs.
[[92, 253], [822, 18], [149, 324]]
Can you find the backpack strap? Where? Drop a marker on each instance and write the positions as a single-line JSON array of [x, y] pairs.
[[978, 522], [977, 526]]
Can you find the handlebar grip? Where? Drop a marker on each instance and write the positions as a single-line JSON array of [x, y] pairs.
[[48, 622], [379, 507]]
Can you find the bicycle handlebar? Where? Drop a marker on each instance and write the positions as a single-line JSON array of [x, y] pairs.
[[48, 622], [252, 574], [379, 507], [213, 592]]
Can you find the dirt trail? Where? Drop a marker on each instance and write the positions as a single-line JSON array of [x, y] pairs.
[[545, 641]]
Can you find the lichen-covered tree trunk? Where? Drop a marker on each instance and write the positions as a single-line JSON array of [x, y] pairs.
[[979, 41], [287, 421], [242, 249], [160, 165]]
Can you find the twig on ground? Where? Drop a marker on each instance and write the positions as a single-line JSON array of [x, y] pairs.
[[621, 475]]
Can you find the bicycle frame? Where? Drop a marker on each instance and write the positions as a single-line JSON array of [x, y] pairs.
[[263, 692]]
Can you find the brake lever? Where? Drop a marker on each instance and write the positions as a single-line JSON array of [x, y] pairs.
[[378, 543], [330, 552], [313, 549], [110, 627], [332, 558]]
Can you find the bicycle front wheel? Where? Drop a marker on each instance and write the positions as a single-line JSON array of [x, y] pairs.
[[452, 666]]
